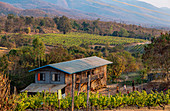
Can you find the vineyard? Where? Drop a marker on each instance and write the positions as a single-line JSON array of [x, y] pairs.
[[136, 48], [97, 101], [77, 39]]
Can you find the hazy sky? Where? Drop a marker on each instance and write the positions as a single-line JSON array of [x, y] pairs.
[[158, 3]]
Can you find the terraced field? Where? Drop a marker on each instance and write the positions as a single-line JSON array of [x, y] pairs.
[[136, 48], [77, 39]]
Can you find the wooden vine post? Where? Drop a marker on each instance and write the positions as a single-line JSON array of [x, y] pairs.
[[79, 88], [88, 90], [73, 88]]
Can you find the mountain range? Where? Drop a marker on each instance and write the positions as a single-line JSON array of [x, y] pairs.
[[128, 11]]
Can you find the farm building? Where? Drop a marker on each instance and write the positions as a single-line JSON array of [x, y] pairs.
[[59, 75]]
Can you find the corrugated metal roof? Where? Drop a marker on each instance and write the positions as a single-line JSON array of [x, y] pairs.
[[78, 65], [43, 87]]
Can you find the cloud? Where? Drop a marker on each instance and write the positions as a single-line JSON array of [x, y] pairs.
[[158, 3]]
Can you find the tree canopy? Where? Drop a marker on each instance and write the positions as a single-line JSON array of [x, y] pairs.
[[64, 24], [157, 54]]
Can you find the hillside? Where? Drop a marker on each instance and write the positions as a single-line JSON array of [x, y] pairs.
[[6, 9], [126, 10], [129, 11]]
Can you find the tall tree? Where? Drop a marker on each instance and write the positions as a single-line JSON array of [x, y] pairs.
[[118, 65], [39, 50], [157, 54], [64, 24], [96, 26]]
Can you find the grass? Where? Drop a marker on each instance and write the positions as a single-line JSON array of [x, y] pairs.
[[77, 39]]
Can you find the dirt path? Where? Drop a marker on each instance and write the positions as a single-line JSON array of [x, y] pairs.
[[148, 86], [132, 44], [167, 108]]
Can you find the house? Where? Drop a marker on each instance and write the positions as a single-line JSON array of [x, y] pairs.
[[59, 75]]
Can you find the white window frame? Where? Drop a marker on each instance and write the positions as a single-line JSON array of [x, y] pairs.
[[54, 77]]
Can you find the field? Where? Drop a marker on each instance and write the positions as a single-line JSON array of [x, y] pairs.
[[136, 48], [49, 101], [77, 39]]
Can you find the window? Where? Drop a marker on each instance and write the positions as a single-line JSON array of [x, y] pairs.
[[41, 76], [55, 77]]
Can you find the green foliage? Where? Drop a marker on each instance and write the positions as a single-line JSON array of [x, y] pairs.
[[4, 64], [143, 72], [42, 22], [56, 20], [123, 33], [115, 33], [39, 50], [64, 24], [46, 100], [28, 30], [157, 54], [58, 54], [135, 49], [29, 20], [118, 65], [130, 62], [15, 24], [76, 39], [85, 26], [10, 16], [75, 25]]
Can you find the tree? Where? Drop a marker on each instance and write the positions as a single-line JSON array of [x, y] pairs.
[[39, 50], [118, 65], [110, 30], [115, 33], [96, 26], [157, 54], [130, 61], [10, 16], [64, 24], [76, 25], [123, 32], [9, 25], [85, 26], [58, 54], [42, 22], [29, 20], [56, 20]]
